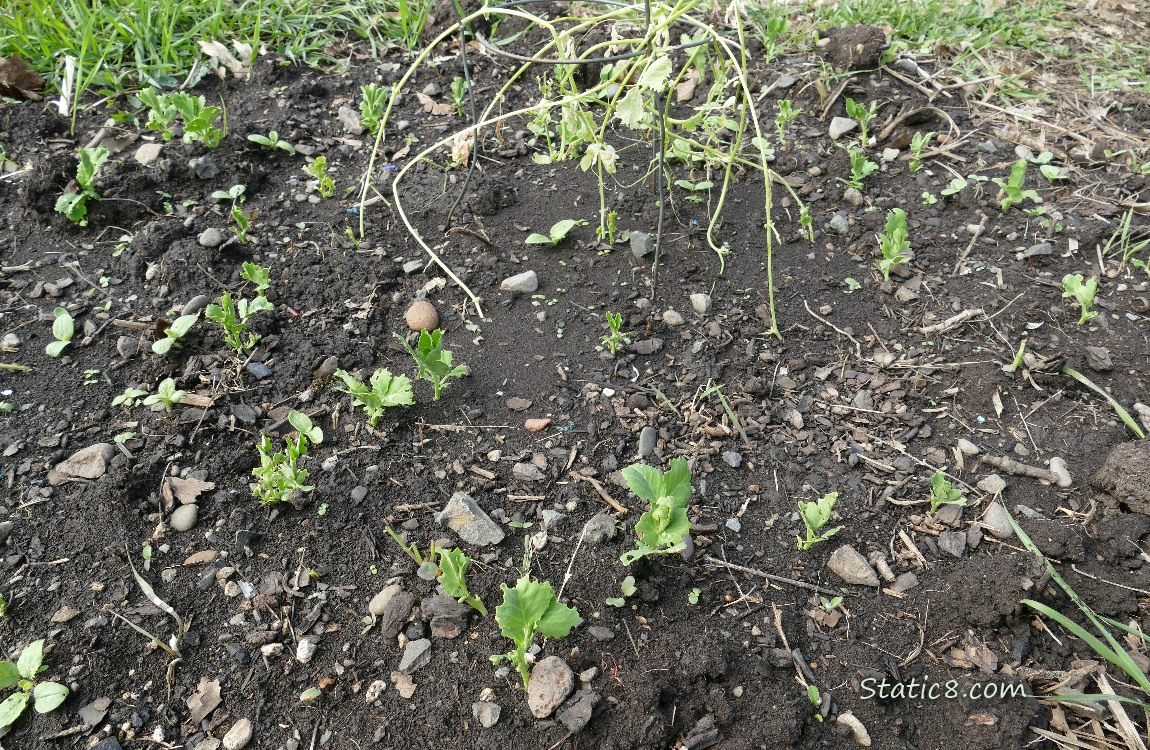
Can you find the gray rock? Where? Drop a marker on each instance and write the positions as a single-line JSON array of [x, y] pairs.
[[648, 436], [997, 521], [1042, 248], [486, 713], [441, 605], [463, 516], [432, 89], [967, 448], [734, 459], [551, 682], [991, 485], [395, 614], [704, 734], [734, 525], [211, 237], [378, 604], [672, 318], [642, 244], [259, 370], [853, 196], [349, 120], [600, 633], [578, 711], [840, 224], [86, 463], [148, 153], [11, 342], [195, 304], [904, 583], [521, 283], [552, 518], [184, 517], [108, 743], [127, 346], [205, 167], [239, 735], [952, 543], [416, 655], [1059, 469], [1098, 358], [889, 154], [599, 530], [5, 531], [848, 564], [701, 303], [785, 81], [413, 266], [840, 126], [527, 473]]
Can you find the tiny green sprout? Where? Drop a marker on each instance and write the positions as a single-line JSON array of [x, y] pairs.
[[662, 528], [453, 565], [852, 285], [75, 205], [273, 141], [129, 397], [279, 475], [786, 114], [1012, 192], [807, 222], [863, 114], [861, 168], [235, 194], [693, 597], [1018, 358], [929, 198], [166, 394], [259, 276], [317, 169], [63, 327], [942, 492], [233, 317], [815, 516], [917, 143], [6, 406], [830, 605], [1050, 171], [310, 695], [816, 699], [44, 696], [557, 232], [695, 188], [123, 437], [198, 119], [162, 113], [1082, 292], [615, 339], [173, 333], [433, 363], [956, 186], [3, 607], [91, 376], [528, 610], [893, 243], [458, 93], [628, 588], [385, 391], [371, 106]]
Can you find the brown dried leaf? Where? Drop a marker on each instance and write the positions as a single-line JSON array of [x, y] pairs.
[[431, 107], [18, 81], [205, 700]]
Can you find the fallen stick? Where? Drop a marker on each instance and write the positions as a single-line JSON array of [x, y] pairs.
[[952, 321], [599, 488], [769, 577], [1010, 466]]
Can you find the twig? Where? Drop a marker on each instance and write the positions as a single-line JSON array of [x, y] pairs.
[[905, 115], [770, 577], [970, 245], [952, 321], [599, 488], [1112, 583], [1010, 466], [824, 321]]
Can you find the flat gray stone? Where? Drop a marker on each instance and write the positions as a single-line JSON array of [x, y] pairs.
[[86, 463], [1059, 469], [416, 655], [642, 244], [701, 303], [486, 713], [211, 237], [521, 283], [205, 167], [463, 516], [840, 126], [239, 735], [991, 484], [997, 521], [952, 543], [672, 318], [378, 604], [599, 530], [184, 517], [967, 448], [840, 224], [578, 711], [196, 304], [734, 459], [349, 119], [551, 682], [148, 153], [395, 614], [848, 564], [648, 436], [527, 473]]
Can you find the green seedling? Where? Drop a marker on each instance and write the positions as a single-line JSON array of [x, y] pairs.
[[3, 607], [852, 285], [693, 596], [162, 113], [608, 230], [893, 243], [861, 168], [816, 699], [173, 333], [6, 406], [129, 397], [694, 188], [628, 589], [74, 205], [942, 492], [63, 328], [453, 564], [233, 316], [1122, 246], [241, 222], [863, 114], [929, 198], [661, 529], [786, 114], [371, 106], [279, 475], [44, 696], [830, 605], [433, 363], [1018, 358], [458, 94], [166, 394], [259, 277], [615, 339], [235, 194], [1081, 292], [426, 567], [528, 610], [557, 233], [386, 391], [917, 143], [317, 170], [815, 516], [956, 186], [199, 119], [273, 141], [1012, 192]]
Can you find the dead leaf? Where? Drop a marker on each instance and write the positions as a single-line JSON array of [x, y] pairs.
[[218, 52], [403, 684], [188, 490], [18, 81], [204, 701], [401, 153], [431, 107], [461, 146], [982, 657], [982, 720]]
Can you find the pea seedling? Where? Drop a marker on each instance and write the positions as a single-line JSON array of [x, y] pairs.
[[893, 243], [1012, 191], [317, 169], [1082, 292], [861, 168], [386, 390], [859, 111], [166, 394], [433, 363], [129, 397], [63, 328], [786, 114], [173, 333], [942, 492], [615, 339], [75, 205], [917, 143], [273, 141], [815, 516], [557, 233], [661, 529], [44, 696], [453, 564], [530, 609], [371, 106], [279, 476]]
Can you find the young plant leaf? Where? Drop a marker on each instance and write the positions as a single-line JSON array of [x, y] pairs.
[[9, 674], [47, 696], [30, 659], [531, 609], [12, 707]]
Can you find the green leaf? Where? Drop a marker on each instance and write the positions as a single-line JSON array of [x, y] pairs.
[[655, 75], [30, 659], [645, 481], [630, 108], [628, 586], [73, 205], [614, 602], [527, 609], [560, 229], [162, 346], [56, 348], [12, 707], [48, 695], [63, 327], [677, 482], [9, 674], [538, 239]]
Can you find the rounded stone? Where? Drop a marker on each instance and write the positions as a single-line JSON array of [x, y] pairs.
[[211, 237], [422, 316], [550, 684], [239, 735], [184, 517]]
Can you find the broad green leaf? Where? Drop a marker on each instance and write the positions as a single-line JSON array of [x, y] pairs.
[[72, 205], [560, 229], [63, 327], [48, 695], [310, 694], [12, 707], [655, 75], [181, 325], [630, 108], [645, 481], [453, 565], [30, 659], [56, 348], [162, 346], [9, 674], [558, 620], [628, 586], [537, 239], [676, 483]]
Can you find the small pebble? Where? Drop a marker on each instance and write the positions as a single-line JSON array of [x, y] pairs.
[[701, 303], [211, 237], [422, 316], [184, 517], [239, 735]]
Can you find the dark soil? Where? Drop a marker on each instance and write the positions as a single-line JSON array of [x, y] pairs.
[[855, 398]]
